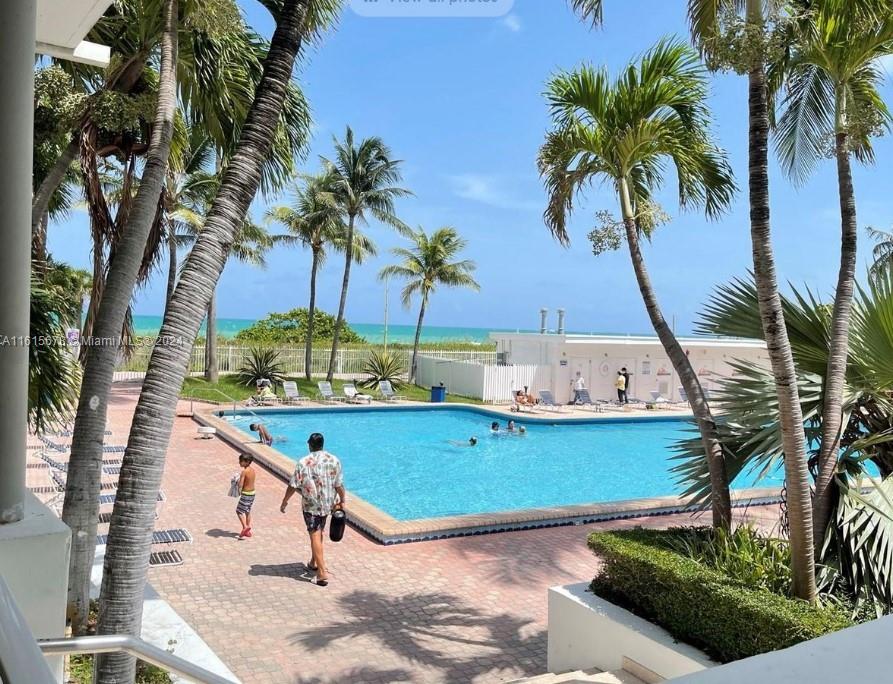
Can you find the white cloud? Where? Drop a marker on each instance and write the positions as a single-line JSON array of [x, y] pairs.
[[512, 22], [490, 190]]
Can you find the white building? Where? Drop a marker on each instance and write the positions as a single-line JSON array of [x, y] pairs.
[[598, 358]]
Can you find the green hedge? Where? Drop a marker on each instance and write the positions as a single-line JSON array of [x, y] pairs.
[[698, 605]]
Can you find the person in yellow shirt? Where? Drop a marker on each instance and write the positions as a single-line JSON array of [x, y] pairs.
[[620, 385]]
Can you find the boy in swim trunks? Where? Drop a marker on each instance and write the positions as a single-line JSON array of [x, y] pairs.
[[246, 494]]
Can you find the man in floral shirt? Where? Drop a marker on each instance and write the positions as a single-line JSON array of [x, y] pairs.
[[319, 481]]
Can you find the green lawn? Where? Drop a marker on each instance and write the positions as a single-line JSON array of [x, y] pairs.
[[198, 388]]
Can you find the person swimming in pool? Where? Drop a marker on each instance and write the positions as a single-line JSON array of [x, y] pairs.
[[511, 426], [494, 428], [472, 441]]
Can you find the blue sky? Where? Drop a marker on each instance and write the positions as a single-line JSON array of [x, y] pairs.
[[460, 100]]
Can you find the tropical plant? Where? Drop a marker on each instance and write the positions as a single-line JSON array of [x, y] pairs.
[[383, 367], [293, 327], [128, 546], [427, 264], [81, 506], [858, 539], [313, 220], [748, 37], [625, 132], [362, 179], [832, 102], [261, 364], [882, 252], [54, 375]]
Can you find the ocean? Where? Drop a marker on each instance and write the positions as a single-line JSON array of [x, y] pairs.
[[373, 332]]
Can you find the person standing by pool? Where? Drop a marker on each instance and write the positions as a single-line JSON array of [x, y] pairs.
[[263, 434], [620, 385], [246, 494], [579, 386], [626, 385], [319, 479]]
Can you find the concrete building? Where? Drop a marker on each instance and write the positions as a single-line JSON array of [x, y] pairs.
[[598, 358]]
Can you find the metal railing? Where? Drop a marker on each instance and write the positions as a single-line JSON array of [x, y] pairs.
[[23, 661]]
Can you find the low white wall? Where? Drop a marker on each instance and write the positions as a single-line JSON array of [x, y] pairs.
[[481, 381], [586, 631], [34, 562]]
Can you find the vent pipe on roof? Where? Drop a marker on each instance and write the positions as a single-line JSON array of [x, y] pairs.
[[543, 328], [561, 321]]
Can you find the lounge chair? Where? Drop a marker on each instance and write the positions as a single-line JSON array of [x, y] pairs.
[[520, 406], [547, 400], [354, 397], [387, 392], [326, 393], [584, 400], [292, 395]]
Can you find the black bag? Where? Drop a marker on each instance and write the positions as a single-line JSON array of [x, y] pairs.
[[336, 527]]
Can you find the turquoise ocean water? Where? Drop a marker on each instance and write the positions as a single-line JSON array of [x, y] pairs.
[[373, 332]]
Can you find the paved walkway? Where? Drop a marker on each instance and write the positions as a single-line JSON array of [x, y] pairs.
[[470, 609]]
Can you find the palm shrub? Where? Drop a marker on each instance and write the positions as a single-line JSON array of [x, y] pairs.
[[383, 367], [261, 363]]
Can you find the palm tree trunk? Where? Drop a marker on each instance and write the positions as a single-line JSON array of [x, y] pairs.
[[81, 508], [418, 334], [838, 347], [339, 321], [775, 331], [39, 246], [311, 312], [720, 497], [171, 269], [127, 553], [51, 182], [211, 374]]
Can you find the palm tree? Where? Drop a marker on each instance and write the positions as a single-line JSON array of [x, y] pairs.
[[882, 252], [426, 265], [362, 181], [624, 132], [314, 221], [81, 506], [129, 542], [833, 80]]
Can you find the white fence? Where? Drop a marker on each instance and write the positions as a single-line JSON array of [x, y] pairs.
[[348, 362], [487, 382]]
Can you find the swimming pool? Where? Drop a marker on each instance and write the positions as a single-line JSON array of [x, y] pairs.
[[402, 460]]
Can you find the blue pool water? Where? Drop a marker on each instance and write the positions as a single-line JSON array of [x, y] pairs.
[[401, 460]]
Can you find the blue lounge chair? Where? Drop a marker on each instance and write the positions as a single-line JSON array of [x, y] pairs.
[[547, 400]]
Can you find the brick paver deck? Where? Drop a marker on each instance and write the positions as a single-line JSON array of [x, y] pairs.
[[470, 609]]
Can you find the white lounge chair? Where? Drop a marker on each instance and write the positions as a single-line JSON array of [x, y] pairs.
[[326, 393], [519, 406], [354, 397], [547, 400], [292, 395], [387, 392], [584, 401]]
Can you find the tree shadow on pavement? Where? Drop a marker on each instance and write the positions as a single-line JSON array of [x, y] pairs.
[[436, 631], [360, 675]]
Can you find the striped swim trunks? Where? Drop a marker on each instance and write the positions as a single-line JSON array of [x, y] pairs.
[[246, 500]]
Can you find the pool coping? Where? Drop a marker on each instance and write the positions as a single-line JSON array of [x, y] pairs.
[[388, 530]]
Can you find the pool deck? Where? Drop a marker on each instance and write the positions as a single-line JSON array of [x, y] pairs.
[[464, 609], [386, 529]]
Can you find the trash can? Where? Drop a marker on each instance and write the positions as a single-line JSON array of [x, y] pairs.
[[438, 394]]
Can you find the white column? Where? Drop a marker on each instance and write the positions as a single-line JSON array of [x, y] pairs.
[[17, 36]]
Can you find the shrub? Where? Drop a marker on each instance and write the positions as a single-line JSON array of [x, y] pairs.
[[291, 328], [261, 363], [701, 606], [382, 366]]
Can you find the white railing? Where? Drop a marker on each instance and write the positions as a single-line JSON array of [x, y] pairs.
[[348, 362]]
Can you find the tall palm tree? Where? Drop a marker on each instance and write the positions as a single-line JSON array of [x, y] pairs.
[[882, 252], [129, 543], [654, 112], [314, 221], [362, 178], [81, 506], [427, 264], [833, 79]]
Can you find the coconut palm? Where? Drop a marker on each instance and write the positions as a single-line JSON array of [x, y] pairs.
[[81, 506], [129, 543], [362, 180], [857, 542], [832, 96], [624, 132], [314, 221], [882, 252], [427, 264]]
